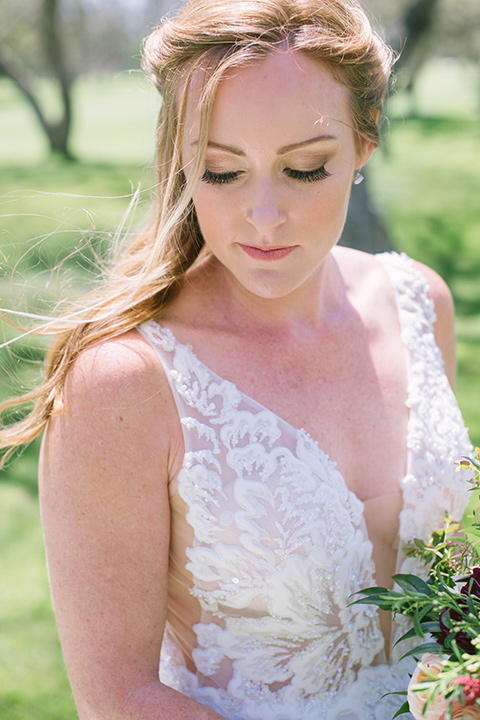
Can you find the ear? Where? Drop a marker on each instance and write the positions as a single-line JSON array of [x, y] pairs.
[[367, 148], [365, 153]]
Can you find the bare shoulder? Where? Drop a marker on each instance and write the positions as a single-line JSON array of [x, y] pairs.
[[369, 281], [363, 273], [105, 465], [120, 366], [362, 267], [116, 401]]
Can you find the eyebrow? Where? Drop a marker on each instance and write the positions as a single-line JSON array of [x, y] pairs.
[[310, 141], [281, 151]]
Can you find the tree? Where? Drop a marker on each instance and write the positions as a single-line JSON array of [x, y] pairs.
[[58, 131], [365, 228]]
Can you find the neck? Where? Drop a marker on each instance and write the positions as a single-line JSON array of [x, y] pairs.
[[310, 306]]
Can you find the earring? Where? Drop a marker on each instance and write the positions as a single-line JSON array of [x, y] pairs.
[[358, 178]]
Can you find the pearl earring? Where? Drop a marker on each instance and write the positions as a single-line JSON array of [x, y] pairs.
[[358, 178]]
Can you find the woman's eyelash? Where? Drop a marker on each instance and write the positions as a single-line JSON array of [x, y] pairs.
[[218, 178], [320, 173], [307, 175]]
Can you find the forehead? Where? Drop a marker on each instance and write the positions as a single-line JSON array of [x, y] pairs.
[[287, 93]]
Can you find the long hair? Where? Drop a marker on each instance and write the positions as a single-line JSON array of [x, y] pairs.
[[205, 40]]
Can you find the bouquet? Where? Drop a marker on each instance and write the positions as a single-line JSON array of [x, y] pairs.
[[445, 612]]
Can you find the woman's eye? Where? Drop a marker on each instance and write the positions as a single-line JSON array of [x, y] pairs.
[[214, 178], [219, 178], [307, 175]]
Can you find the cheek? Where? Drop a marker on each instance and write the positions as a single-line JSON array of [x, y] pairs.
[[310, 205], [328, 203], [214, 210]]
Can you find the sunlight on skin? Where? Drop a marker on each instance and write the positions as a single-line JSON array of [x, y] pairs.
[[270, 230]]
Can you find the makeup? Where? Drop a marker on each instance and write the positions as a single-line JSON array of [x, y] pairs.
[[268, 253]]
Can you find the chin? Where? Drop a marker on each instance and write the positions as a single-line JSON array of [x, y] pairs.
[[272, 290]]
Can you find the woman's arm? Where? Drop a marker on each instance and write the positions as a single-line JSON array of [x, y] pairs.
[[104, 471], [444, 326]]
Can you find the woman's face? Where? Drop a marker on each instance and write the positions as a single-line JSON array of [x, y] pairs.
[[279, 170]]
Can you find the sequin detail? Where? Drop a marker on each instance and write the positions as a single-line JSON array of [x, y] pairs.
[[280, 543]]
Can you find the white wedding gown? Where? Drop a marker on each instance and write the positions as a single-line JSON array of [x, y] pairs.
[[268, 544]]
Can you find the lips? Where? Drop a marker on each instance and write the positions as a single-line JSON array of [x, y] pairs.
[[267, 253]]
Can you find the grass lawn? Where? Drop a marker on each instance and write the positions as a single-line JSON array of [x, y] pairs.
[[426, 181]]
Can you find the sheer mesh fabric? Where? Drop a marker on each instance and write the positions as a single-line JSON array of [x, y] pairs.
[[268, 544]]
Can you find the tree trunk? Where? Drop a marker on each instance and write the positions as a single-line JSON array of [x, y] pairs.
[[365, 229], [417, 24], [57, 132]]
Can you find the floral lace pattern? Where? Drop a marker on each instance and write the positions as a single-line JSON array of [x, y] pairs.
[[280, 543]]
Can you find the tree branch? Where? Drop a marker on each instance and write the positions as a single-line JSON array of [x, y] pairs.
[[417, 24], [9, 69]]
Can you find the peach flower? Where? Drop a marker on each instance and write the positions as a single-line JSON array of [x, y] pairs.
[[416, 700], [464, 712]]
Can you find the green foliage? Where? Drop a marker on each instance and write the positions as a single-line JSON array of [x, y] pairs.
[[446, 606], [427, 184], [426, 181], [33, 682]]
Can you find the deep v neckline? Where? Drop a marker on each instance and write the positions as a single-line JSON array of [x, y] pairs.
[[266, 532], [217, 381], [292, 429], [383, 259]]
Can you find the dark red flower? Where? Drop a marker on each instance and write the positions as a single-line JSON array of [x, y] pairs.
[[472, 588]]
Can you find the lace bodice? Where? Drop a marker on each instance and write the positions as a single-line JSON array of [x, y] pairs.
[[268, 544]]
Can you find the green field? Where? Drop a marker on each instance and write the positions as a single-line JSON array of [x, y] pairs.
[[427, 184]]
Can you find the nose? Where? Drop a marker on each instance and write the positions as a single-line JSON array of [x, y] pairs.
[[265, 213]]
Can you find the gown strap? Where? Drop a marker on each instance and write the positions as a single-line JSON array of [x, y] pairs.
[[437, 436], [415, 308]]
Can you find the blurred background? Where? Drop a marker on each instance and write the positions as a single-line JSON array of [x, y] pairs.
[[77, 120]]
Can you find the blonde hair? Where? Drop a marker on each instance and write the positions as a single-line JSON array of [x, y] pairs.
[[210, 36]]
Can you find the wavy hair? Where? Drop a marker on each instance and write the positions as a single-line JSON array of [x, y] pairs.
[[205, 39]]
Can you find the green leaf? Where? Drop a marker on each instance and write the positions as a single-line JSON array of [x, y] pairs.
[[427, 627], [431, 647], [412, 584], [416, 624], [383, 598], [457, 651], [447, 620], [372, 591], [404, 709], [451, 592], [428, 614], [379, 602], [474, 462], [397, 692], [473, 605]]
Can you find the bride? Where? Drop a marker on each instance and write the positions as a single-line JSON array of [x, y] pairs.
[[249, 422]]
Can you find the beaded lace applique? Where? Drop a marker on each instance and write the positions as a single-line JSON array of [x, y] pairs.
[[280, 543]]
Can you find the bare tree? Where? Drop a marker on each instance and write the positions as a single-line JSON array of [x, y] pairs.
[[58, 131], [419, 25], [365, 228]]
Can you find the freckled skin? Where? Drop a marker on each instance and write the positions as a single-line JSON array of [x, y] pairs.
[[313, 336], [265, 206]]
